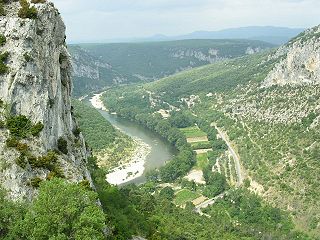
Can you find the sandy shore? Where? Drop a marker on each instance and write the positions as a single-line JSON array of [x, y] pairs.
[[97, 102], [134, 168]]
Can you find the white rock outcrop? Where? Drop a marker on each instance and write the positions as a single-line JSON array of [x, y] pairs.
[[38, 85], [300, 61]]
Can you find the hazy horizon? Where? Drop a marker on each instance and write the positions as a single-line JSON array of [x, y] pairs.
[[103, 20]]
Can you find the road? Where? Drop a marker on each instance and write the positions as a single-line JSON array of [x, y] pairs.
[[208, 203], [236, 158], [234, 155]]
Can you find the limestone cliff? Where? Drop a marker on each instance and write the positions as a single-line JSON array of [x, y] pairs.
[[300, 61], [38, 85]]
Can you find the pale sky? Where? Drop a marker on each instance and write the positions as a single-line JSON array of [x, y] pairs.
[[98, 20]]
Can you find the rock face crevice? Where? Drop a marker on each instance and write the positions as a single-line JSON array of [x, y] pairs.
[[300, 62], [38, 85]]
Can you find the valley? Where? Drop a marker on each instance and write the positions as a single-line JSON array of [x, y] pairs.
[[266, 151], [190, 139]]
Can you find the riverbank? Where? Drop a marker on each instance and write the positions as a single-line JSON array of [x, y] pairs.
[[132, 167], [97, 102]]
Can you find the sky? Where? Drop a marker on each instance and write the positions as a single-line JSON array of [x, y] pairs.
[[100, 20]]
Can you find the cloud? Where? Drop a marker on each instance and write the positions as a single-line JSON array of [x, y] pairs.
[[105, 19]]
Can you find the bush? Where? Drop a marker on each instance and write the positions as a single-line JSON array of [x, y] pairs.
[[3, 40], [86, 184], [36, 129], [2, 124], [38, 1], [2, 11], [26, 11], [48, 161], [12, 142], [21, 161], [63, 145], [27, 57], [77, 132], [19, 126], [35, 182], [22, 147], [3, 66]]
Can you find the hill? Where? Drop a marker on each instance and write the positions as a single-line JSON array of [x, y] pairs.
[[267, 104], [97, 66], [270, 34]]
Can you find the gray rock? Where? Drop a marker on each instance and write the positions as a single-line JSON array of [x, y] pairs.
[[300, 61], [39, 88]]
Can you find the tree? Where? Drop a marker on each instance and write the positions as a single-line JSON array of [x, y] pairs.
[[167, 193], [10, 213], [63, 211]]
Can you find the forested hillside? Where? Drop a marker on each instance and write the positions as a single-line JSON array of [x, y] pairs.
[[266, 104], [97, 66]]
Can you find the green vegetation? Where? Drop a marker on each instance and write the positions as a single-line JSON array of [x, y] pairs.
[[3, 58], [109, 144], [26, 11], [148, 61], [3, 40], [134, 211], [2, 11], [201, 145], [193, 132], [62, 145], [202, 160], [21, 127], [277, 141], [61, 211], [27, 57], [98, 133], [38, 1], [184, 196]]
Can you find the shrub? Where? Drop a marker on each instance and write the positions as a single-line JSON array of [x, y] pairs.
[[3, 40], [21, 161], [86, 184], [35, 182], [63, 145], [3, 67], [19, 126], [76, 131], [22, 147], [12, 142], [36, 129], [2, 11], [38, 1], [26, 11], [48, 161], [51, 102], [2, 124], [27, 57]]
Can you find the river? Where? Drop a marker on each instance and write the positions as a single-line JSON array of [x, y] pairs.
[[161, 150]]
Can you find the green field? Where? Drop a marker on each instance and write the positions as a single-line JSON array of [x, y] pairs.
[[201, 145], [184, 196], [192, 132], [202, 160]]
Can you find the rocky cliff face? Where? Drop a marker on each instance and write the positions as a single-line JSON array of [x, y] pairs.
[[300, 62], [38, 85]]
